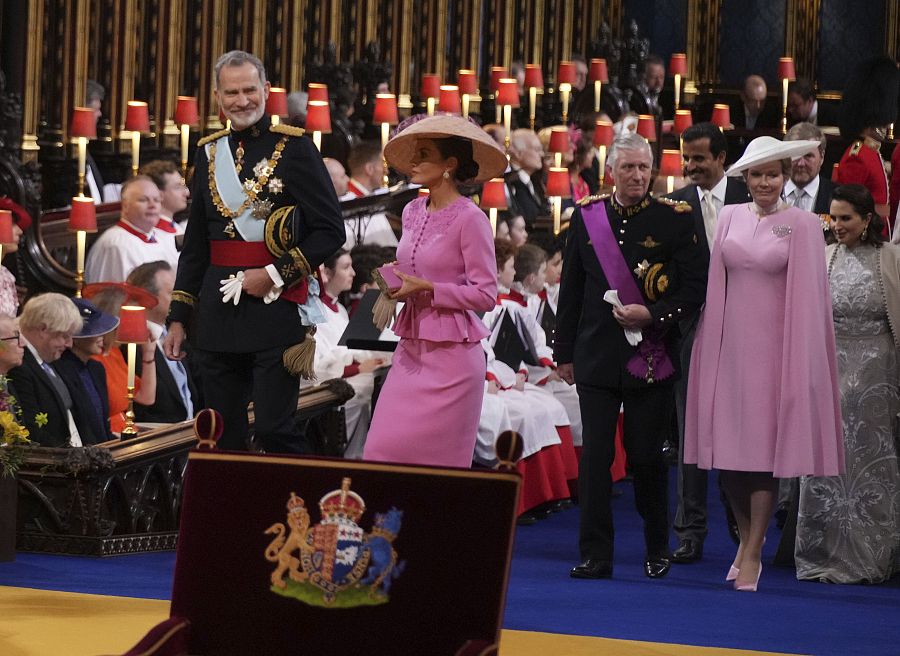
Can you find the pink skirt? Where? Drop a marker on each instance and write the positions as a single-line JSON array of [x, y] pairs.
[[428, 410]]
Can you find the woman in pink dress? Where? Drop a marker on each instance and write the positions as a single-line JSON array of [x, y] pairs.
[[763, 400], [428, 410]]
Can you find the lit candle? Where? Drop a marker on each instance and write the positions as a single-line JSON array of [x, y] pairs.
[[132, 358], [492, 214], [81, 243], [185, 137]]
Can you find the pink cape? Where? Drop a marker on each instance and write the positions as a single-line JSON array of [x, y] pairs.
[[763, 390]]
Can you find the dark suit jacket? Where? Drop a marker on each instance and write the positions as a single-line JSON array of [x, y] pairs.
[[169, 407], [769, 118], [735, 193], [523, 202], [822, 203], [93, 429], [36, 394]]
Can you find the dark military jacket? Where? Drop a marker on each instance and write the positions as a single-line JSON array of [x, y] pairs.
[[299, 179], [657, 234]]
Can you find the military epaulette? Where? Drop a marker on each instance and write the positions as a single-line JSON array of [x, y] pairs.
[[213, 137], [679, 206], [587, 200], [281, 128], [856, 147]]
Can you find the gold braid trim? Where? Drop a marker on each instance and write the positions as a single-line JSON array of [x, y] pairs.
[[215, 136], [277, 238], [184, 297], [251, 187], [298, 265], [281, 128]]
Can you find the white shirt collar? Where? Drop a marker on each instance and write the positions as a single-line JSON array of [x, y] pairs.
[[152, 232], [718, 192], [156, 330], [814, 113], [34, 352], [812, 188]]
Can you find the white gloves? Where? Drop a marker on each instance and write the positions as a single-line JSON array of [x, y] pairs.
[[633, 335], [231, 288]]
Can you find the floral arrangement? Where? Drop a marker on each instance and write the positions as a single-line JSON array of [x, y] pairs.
[[13, 435]]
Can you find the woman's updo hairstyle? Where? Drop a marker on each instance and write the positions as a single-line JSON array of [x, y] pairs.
[[860, 199], [461, 149]]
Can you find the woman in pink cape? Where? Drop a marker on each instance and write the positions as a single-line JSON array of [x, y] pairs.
[[428, 410], [763, 400]]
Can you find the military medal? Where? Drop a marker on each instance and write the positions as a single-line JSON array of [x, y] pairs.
[[260, 209], [641, 269], [229, 230], [276, 186], [262, 169]]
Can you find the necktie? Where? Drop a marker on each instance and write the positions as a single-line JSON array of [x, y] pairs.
[[179, 373], [799, 196], [58, 385], [710, 216]]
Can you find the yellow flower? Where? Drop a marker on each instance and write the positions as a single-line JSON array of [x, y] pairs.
[[41, 419]]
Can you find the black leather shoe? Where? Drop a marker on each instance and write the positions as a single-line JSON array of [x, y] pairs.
[[592, 569], [526, 519], [688, 551], [656, 568]]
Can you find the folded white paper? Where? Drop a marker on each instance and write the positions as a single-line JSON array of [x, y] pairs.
[[633, 335]]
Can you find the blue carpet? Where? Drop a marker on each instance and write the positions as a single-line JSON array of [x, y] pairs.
[[692, 605]]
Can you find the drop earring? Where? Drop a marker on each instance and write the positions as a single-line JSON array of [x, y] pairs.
[[446, 175]]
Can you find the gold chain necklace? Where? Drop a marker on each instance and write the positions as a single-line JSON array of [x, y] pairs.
[[252, 186], [239, 158]]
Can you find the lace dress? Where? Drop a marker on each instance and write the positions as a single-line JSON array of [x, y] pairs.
[[848, 529]]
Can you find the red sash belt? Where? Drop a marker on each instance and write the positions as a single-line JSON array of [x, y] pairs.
[[239, 253], [253, 254]]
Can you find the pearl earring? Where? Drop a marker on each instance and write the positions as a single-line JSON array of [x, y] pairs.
[[446, 175]]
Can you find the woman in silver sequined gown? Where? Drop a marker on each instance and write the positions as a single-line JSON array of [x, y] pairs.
[[848, 529]]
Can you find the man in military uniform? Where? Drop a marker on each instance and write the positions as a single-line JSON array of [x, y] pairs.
[[242, 175], [646, 250]]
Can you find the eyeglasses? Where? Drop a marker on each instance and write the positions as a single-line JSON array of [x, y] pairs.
[[12, 338]]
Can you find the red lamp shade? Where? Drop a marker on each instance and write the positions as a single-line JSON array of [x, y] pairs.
[[186, 112], [276, 103], [559, 141], [508, 93], [83, 215], [721, 116], [497, 73], [558, 182], [137, 116], [646, 127], [317, 91], [6, 225], [834, 172], [566, 73], [534, 77], [84, 123], [431, 85], [678, 64], [385, 109], [786, 69], [318, 117], [467, 81], [603, 133], [599, 71], [449, 99], [133, 325], [683, 120], [670, 163], [493, 194]]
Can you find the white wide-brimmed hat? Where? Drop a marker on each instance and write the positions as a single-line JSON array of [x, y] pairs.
[[763, 150], [487, 154]]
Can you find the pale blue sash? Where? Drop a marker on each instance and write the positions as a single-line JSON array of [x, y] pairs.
[[232, 193]]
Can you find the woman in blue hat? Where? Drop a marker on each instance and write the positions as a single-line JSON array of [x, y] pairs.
[[86, 378]]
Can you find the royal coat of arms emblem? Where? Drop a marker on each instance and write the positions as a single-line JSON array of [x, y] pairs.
[[335, 563]]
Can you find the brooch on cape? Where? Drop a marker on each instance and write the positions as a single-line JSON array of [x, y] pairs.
[[781, 230]]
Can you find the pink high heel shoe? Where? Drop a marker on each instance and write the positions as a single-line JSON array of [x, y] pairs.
[[732, 573], [750, 587]]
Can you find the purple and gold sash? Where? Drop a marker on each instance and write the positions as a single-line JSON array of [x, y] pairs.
[[651, 361]]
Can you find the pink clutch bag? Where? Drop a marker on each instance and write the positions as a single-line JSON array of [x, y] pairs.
[[386, 279]]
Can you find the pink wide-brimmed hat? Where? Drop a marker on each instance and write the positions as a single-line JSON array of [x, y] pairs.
[[487, 154]]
